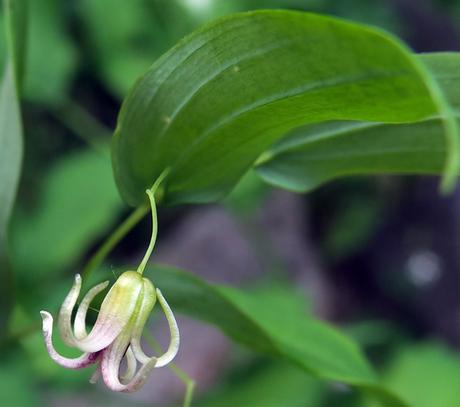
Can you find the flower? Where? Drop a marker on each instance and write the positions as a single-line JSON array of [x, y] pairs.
[[117, 331]]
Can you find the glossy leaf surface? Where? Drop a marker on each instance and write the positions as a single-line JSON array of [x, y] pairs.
[[214, 103], [273, 320], [313, 155]]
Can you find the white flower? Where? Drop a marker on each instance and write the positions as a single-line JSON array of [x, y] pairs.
[[118, 328], [115, 334]]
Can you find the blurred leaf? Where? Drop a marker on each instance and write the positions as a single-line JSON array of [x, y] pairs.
[[273, 321], [16, 386], [211, 105], [39, 364], [78, 203], [142, 30], [135, 29], [10, 116], [51, 55], [371, 12], [10, 147], [425, 375], [10, 139], [313, 155], [274, 386]]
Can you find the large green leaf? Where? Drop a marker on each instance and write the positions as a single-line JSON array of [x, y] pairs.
[[425, 375], [10, 137], [273, 386], [211, 105], [273, 321], [10, 116], [312, 155]]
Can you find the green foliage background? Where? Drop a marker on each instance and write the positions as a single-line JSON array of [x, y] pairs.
[[82, 60]]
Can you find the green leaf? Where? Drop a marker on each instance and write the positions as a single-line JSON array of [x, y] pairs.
[[10, 147], [273, 386], [273, 321], [425, 375], [51, 56], [215, 102], [17, 387], [16, 21], [10, 116], [313, 155], [10, 138], [78, 201], [129, 22]]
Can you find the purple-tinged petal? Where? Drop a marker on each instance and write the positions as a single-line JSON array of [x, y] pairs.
[[113, 355], [115, 313], [110, 366], [148, 301], [80, 318], [131, 366], [71, 363], [65, 313], [174, 343]]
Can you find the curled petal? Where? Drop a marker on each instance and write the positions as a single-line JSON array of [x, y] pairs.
[[173, 348], [110, 366], [112, 357], [148, 301], [80, 318], [72, 363], [65, 313], [131, 366], [115, 313]]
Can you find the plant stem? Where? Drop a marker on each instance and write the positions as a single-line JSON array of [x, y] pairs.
[[183, 376], [153, 237], [84, 125], [112, 240], [151, 194]]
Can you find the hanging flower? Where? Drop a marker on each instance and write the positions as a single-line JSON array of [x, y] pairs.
[[117, 331]]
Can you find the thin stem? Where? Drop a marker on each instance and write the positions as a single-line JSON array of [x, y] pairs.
[[151, 194], [153, 237], [112, 240], [182, 375], [84, 125]]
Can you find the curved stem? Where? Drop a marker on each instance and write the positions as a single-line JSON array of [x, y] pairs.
[[151, 194], [153, 237], [112, 240]]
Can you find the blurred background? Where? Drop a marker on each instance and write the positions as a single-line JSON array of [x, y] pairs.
[[377, 256]]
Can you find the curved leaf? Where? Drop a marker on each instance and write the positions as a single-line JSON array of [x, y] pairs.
[[274, 321], [211, 105], [10, 137], [312, 155], [430, 366]]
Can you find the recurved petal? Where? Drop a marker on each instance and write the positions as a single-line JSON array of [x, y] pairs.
[[148, 301], [116, 311], [71, 363], [131, 366], [65, 313], [174, 343], [113, 355], [110, 367], [80, 318]]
